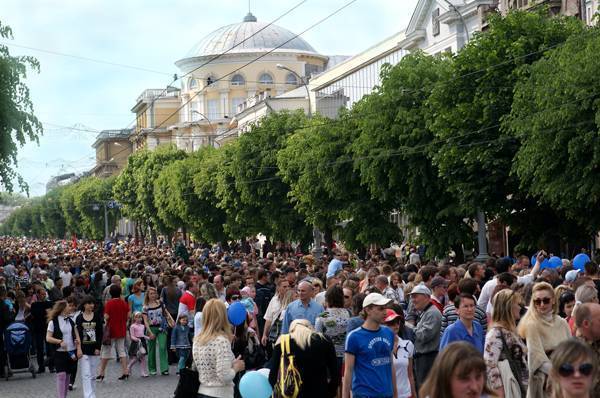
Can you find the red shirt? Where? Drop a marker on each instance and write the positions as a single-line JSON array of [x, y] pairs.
[[117, 310], [188, 299]]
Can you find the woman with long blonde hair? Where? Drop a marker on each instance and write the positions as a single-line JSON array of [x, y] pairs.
[[574, 370], [212, 353], [314, 357], [543, 330], [502, 342]]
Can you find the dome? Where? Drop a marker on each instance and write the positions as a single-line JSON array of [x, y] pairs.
[[269, 37]]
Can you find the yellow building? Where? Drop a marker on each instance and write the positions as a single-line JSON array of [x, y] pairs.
[[155, 110], [231, 65], [112, 150]]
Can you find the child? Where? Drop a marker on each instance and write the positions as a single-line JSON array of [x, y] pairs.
[[137, 349], [180, 341]]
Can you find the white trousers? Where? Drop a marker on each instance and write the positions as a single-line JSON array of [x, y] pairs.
[[88, 367]]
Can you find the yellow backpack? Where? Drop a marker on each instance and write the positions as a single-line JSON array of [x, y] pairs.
[[288, 380]]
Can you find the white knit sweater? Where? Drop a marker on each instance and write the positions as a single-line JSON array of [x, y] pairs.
[[214, 363]]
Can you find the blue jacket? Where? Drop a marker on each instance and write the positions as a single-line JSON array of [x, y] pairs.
[[180, 337]]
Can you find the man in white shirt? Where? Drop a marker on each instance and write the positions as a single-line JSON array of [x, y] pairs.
[[66, 276], [488, 288]]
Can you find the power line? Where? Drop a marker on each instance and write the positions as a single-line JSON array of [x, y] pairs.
[[98, 61]]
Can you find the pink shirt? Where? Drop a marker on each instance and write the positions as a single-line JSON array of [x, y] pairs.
[[136, 331]]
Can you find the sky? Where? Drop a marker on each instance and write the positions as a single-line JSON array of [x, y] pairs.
[[75, 98]]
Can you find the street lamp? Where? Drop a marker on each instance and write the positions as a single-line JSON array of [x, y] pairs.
[[211, 137], [304, 83], [316, 233]]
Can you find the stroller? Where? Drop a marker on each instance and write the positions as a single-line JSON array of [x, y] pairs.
[[17, 343]]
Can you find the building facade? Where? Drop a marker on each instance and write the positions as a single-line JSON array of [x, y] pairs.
[[113, 147]]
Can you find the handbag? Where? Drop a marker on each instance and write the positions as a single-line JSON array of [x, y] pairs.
[[510, 372], [189, 382], [106, 334]]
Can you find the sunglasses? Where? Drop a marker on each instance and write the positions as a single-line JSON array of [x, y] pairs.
[[545, 301], [568, 370], [347, 297]]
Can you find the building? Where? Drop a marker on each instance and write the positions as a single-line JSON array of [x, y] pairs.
[[113, 147], [155, 111], [584, 9], [435, 27]]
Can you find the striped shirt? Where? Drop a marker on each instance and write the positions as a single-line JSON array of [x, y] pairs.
[[449, 316]]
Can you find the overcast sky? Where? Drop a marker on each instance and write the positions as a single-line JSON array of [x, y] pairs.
[[150, 34]]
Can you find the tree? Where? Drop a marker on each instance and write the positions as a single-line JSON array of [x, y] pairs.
[[208, 219], [91, 195], [556, 116], [144, 184], [17, 122], [317, 164], [253, 167], [69, 210], [52, 214], [394, 147], [475, 155]]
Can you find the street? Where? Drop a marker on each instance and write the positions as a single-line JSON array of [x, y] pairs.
[[22, 385]]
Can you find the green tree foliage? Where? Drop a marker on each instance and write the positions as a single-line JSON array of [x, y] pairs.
[[91, 194], [17, 122], [69, 210], [474, 154], [556, 116], [206, 219], [317, 164], [149, 171], [394, 147], [52, 215], [125, 186], [256, 185]]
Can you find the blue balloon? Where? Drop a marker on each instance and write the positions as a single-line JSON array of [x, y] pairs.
[[554, 262], [255, 385], [544, 263], [580, 260], [236, 313]]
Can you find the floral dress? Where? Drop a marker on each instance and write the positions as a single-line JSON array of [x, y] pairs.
[[493, 353]]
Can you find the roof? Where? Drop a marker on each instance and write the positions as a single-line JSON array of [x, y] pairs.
[[250, 36]]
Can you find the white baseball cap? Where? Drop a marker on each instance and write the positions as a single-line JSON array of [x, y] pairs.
[[421, 289], [375, 299]]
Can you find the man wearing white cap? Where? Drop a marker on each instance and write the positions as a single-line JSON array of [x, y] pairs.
[[369, 366], [427, 332]]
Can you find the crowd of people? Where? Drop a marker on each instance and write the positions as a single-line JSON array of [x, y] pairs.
[[384, 324]]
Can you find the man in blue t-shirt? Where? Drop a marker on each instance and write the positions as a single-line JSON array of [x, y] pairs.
[[369, 370]]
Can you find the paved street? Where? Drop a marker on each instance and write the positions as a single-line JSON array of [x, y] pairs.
[[22, 385]]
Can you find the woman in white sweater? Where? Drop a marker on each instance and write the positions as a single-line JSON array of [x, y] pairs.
[[543, 330], [212, 353]]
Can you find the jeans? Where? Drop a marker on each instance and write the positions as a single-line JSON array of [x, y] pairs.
[[89, 364], [182, 354]]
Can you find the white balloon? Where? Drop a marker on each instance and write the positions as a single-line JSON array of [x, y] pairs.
[[264, 371]]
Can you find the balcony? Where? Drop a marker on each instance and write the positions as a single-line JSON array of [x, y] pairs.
[[153, 93]]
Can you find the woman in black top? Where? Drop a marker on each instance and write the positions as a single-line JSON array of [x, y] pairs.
[[89, 325], [314, 357]]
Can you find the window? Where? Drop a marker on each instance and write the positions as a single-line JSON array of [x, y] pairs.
[[234, 104], [435, 22], [213, 109], [265, 78], [291, 79], [193, 83], [238, 80]]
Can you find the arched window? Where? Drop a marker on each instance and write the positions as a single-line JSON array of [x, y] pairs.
[[291, 79], [193, 83], [265, 78], [238, 80]]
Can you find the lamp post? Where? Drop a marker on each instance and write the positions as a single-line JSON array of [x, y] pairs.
[[304, 83], [318, 252], [212, 129]]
